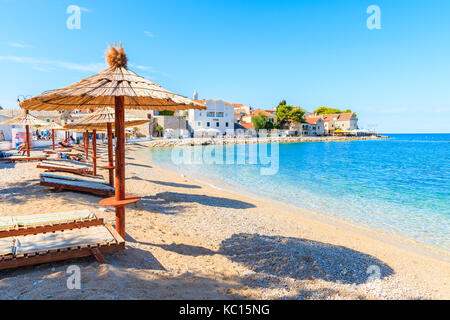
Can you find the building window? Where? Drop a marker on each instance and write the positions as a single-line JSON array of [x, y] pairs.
[[210, 114], [219, 114], [207, 124], [217, 124], [199, 123], [226, 124]]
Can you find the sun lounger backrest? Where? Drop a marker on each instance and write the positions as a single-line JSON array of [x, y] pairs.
[[7, 223], [79, 183], [67, 178]]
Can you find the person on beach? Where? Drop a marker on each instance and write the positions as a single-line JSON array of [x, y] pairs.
[[64, 144]]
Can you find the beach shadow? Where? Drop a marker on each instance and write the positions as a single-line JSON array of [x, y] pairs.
[[184, 249], [167, 184], [20, 192], [139, 165], [302, 259], [170, 197]]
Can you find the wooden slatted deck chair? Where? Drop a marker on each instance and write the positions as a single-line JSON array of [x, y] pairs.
[[66, 166], [47, 222], [61, 183], [16, 158], [58, 151], [32, 249]]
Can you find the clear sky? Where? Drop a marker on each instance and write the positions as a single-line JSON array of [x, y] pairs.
[[311, 53]]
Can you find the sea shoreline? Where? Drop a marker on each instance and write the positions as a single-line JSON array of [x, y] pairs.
[[189, 240], [372, 231], [375, 233], [386, 247]]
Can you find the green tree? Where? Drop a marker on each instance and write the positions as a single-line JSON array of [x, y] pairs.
[[326, 110], [297, 115], [262, 122], [159, 129], [283, 113]]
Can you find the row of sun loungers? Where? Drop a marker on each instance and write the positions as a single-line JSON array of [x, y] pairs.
[[44, 238]]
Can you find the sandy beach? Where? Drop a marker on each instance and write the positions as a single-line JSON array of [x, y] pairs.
[[189, 240]]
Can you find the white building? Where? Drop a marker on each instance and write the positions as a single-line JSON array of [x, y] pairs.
[[218, 115]]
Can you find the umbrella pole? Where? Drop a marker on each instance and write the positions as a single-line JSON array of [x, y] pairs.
[[94, 154], [87, 144], [53, 139], [27, 129], [110, 155], [120, 163]]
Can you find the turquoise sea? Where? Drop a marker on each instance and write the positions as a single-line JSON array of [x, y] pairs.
[[400, 185]]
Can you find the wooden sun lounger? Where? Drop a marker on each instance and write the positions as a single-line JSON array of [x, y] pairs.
[[65, 166], [23, 158], [65, 151], [32, 249], [61, 183], [40, 223]]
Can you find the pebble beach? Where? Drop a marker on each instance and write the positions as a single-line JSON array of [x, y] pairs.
[[189, 240]]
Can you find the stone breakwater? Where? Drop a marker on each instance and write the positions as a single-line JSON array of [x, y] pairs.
[[161, 143]]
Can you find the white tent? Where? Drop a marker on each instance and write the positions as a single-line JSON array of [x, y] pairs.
[[200, 132], [213, 132]]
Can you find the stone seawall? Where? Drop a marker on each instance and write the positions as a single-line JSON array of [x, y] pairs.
[[161, 143]]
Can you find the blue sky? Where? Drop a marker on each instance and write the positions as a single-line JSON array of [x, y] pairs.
[[311, 53]]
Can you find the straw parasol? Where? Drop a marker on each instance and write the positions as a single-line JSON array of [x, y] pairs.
[[27, 120], [53, 126], [122, 89], [98, 120]]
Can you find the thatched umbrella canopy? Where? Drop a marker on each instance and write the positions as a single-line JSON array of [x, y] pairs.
[[53, 126], [101, 119], [122, 89], [27, 120]]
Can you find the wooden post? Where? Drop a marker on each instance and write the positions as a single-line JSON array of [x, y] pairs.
[[53, 139], [27, 129], [110, 155], [94, 152], [87, 144], [120, 163]]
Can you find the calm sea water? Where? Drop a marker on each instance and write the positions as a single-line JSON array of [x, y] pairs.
[[401, 185]]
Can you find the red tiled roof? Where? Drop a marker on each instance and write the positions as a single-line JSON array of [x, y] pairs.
[[345, 116], [246, 125], [312, 120], [201, 101], [337, 116], [259, 112]]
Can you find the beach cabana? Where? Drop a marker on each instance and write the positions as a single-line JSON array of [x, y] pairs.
[[101, 119], [120, 88], [26, 120]]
